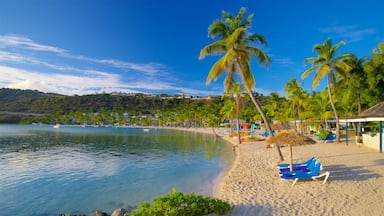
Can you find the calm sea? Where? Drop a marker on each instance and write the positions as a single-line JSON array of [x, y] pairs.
[[48, 171]]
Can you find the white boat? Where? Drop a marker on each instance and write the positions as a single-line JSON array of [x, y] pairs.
[[146, 129], [56, 126]]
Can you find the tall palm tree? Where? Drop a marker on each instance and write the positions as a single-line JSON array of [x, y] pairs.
[[236, 91], [235, 42], [328, 64], [272, 107], [319, 107], [354, 83], [227, 111], [296, 95]]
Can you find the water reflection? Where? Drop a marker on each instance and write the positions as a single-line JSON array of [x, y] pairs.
[[73, 168]]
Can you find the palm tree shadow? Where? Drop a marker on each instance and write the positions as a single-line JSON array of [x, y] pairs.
[[253, 209], [341, 172], [379, 162]]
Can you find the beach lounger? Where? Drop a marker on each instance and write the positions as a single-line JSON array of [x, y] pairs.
[[304, 167], [330, 138], [305, 163], [313, 174]]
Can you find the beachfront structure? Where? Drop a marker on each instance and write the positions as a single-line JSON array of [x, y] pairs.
[[373, 139]]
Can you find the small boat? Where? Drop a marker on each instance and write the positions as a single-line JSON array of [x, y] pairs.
[[146, 129], [251, 139], [56, 126]]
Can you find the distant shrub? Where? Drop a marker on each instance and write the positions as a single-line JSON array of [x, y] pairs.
[[178, 203], [324, 134]]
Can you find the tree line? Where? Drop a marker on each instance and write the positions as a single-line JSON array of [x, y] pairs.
[[106, 109]]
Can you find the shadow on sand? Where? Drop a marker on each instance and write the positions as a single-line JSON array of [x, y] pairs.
[[340, 172], [251, 210]]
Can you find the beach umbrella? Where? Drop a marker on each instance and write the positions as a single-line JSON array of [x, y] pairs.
[[290, 138], [279, 127]]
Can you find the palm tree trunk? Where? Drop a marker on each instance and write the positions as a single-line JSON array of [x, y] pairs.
[[298, 116], [334, 110], [267, 125], [238, 120], [359, 111], [358, 104], [294, 116]]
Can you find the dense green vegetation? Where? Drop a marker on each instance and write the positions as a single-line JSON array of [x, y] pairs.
[[178, 203], [103, 109]]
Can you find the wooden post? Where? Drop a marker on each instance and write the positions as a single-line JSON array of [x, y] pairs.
[[381, 136], [346, 133], [290, 148]]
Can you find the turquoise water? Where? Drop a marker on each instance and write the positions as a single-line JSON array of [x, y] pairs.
[[47, 171]]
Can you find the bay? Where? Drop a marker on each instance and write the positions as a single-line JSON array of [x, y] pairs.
[[48, 171]]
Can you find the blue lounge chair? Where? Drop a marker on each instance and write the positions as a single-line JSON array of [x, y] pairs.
[[305, 163], [304, 167], [312, 174], [330, 138]]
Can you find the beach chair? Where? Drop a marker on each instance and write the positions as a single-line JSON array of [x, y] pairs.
[[265, 134], [313, 174], [330, 138], [305, 163], [301, 167]]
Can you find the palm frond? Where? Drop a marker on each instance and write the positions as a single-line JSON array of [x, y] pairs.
[[246, 74], [217, 69], [217, 47], [260, 55], [311, 60], [257, 38], [322, 71], [229, 81], [218, 29], [310, 70], [334, 47], [236, 36]]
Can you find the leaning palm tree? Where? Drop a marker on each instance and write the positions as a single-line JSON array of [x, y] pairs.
[[328, 64], [235, 43]]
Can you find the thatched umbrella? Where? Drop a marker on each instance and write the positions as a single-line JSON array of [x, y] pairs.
[[279, 127], [291, 138]]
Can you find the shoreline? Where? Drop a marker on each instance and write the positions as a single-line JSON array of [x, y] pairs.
[[218, 182], [355, 185]]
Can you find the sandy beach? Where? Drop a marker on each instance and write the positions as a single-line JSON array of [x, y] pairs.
[[355, 185]]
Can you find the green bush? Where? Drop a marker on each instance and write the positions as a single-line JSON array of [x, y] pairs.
[[324, 133], [178, 203]]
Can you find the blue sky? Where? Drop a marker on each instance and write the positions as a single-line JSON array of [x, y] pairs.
[[152, 46]]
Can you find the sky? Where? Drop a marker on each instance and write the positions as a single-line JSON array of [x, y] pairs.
[[80, 47]]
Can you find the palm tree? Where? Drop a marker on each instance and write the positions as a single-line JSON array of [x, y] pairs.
[[354, 83], [319, 107], [374, 68], [296, 95], [236, 44], [236, 92], [272, 107], [227, 111], [328, 64]]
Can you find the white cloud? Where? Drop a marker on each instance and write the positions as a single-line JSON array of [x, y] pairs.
[[25, 64], [351, 33], [26, 43], [93, 82], [284, 61], [61, 83]]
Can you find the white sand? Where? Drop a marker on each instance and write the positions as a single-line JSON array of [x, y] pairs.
[[355, 185]]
